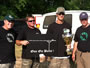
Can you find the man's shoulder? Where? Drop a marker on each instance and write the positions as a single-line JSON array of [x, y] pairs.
[[67, 23], [37, 30], [52, 24], [13, 31], [1, 30], [22, 30], [79, 28]]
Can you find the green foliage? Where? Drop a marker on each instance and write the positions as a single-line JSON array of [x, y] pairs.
[[77, 4], [20, 8], [20, 5]]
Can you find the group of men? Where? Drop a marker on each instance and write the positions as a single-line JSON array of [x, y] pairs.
[[9, 37]]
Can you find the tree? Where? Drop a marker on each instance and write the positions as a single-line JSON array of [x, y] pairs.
[[20, 8], [77, 4]]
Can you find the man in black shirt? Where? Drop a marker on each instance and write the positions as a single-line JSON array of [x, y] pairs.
[[82, 43], [56, 30], [7, 43], [29, 31]]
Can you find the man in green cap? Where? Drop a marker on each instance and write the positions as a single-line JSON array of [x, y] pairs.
[[7, 43]]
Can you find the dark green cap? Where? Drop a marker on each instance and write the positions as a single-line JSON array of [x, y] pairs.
[[9, 18]]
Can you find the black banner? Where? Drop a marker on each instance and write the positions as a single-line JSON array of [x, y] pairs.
[[42, 44]]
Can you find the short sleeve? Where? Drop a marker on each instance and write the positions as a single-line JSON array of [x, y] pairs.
[[21, 35], [76, 37]]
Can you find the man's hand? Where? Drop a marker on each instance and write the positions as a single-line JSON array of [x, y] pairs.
[[42, 58], [73, 57], [24, 42]]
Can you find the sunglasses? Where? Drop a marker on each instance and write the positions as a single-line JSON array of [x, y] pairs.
[[31, 21], [61, 13]]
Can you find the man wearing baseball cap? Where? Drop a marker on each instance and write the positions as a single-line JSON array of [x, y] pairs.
[[7, 43], [82, 43], [9, 18], [56, 30], [83, 16]]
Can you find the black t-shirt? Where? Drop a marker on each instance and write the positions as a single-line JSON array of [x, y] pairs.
[[27, 34], [7, 45], [82, 36], [56, 30]]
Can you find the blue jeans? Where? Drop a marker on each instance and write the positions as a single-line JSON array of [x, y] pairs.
[[8, 65]]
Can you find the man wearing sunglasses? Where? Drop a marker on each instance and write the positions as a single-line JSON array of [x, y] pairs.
[[56, 30], [29, 31], [7, 43], [81, 48]]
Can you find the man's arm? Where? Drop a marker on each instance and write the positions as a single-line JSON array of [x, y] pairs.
[[22, 42], [74, 51]]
